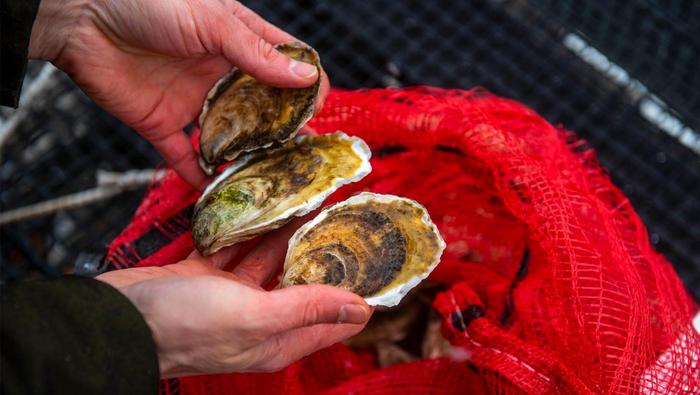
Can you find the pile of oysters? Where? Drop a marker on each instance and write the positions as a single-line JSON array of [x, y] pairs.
[[377, 246]]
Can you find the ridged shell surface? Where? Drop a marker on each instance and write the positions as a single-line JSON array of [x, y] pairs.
[[377, 246], [241, 114], [264, 190]]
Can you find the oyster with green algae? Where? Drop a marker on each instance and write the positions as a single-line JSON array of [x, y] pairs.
[[377, 246], [264, 190], [241, 114]]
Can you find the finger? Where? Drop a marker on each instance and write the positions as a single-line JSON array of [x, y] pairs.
[[257, 57], [266, 258], [288, 347], [275, 35], [222, 257], [228, 257], [307, 130], [260, 26], [195, 255], [176, 149], [307, 305]]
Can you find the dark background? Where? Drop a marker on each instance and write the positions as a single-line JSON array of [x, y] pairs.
[[515, 49]]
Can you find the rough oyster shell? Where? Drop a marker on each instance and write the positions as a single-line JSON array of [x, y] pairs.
[[262, 191], [377, 246], [241, 114]]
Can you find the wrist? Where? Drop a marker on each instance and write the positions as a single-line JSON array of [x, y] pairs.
[[168, 361], [53, 24]]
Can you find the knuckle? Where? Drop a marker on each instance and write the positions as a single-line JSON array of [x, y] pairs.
[[312, 313], [265, 50], [236, 7], [275, 356], [238, 10], [264, 30], [256, 334], [276, 347]]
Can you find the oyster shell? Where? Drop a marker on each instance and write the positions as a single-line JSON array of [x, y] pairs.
[[262, 191], [241, 114], [377, 246]]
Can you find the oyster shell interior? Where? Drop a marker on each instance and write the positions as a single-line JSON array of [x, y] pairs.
[[377, 246], [264, 190], [242, 114]]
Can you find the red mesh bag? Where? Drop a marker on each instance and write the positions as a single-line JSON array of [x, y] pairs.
[[551, 283]]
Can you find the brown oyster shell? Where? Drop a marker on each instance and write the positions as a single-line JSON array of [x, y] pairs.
[[264, 190], [241, 114], [377, 246]]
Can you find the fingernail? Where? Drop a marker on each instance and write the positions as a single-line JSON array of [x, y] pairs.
[[303, 70], [352, 314]]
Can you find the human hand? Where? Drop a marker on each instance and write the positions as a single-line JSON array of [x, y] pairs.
[[208, 320], [152, 62]]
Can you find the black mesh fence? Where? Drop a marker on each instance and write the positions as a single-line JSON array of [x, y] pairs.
[[55, 149], [624, 75]]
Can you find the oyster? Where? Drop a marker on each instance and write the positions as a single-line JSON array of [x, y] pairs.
[[377, 246], [262, 191], [241, 114]]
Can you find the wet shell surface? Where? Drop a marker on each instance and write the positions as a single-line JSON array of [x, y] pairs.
[[377, 246], [241, 114], [264, 190]]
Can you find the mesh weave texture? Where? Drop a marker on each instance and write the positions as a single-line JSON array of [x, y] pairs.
[[551, 283]]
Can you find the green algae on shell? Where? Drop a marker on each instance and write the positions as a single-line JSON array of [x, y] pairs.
[[264, 190]]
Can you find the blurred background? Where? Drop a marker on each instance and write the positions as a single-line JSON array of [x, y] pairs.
[[624, 75]]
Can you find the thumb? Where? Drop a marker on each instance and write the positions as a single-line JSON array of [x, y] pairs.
[[306, 305], [257, 57]]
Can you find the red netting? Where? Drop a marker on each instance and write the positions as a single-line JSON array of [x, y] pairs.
[[553, 286]]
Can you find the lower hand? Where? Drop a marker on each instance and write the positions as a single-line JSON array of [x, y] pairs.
[[208, 320]]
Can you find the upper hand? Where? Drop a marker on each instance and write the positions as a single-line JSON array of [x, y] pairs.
[[152, 62], [208, 320]]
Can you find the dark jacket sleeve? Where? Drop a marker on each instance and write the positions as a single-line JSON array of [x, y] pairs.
[[74, 335], [16, 21]]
